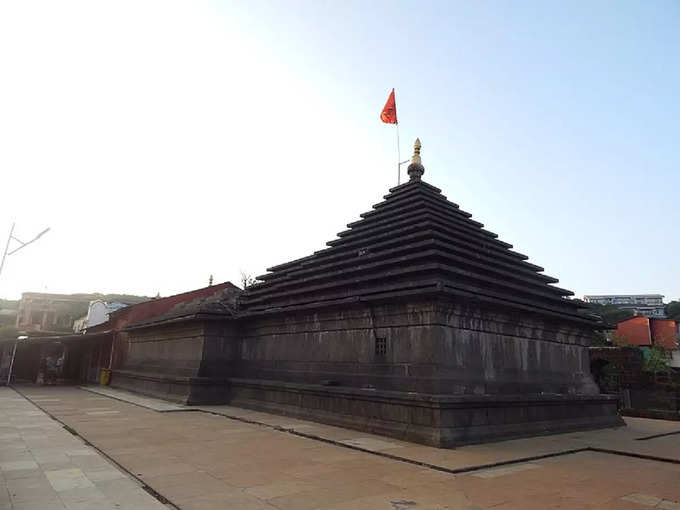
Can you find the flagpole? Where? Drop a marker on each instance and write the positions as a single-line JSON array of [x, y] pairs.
[[398, 156]]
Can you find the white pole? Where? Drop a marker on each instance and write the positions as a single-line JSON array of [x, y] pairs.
[[11, 363], [398, 156], [4, 255], [113, 343]]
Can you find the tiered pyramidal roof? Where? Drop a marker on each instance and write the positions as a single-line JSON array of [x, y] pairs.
[[414, 243]]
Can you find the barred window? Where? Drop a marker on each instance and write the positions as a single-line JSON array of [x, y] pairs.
[[380, 346]]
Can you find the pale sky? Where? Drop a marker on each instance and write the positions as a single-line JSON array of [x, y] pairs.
[[166, 141]]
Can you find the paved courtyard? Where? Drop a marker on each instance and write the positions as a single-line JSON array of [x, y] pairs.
[[220, 457], [45, 467]]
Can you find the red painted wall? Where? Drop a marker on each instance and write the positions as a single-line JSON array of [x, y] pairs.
[[665, 333], [635, 331], [154, 307]]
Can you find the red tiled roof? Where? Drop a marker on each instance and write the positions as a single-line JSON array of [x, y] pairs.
[[635, 330], [148, 309], [665, 333], [642, 330]]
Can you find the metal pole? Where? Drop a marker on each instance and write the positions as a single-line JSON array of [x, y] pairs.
[[113, 343], [4, 255], [398, 156], [11, 363]]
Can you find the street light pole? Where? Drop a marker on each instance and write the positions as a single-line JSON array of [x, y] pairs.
[[23, 244], [4, 255], [11, 362]]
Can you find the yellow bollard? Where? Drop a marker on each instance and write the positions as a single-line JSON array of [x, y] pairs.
[[104, 376]]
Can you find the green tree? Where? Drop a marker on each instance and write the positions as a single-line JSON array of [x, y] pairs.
[[657, 360], [618, 340], [600, 339], [672, 310], [610, 314]]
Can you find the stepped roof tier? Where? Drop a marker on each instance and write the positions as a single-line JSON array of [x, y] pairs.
[[415, 242]]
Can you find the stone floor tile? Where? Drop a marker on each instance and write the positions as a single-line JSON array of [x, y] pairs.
[[68, 479], [396, 501], [415, 476], [104, 475], [136, 499], [37, 479], [372, 444], [219, 501], [164, 469], [55, 466], [277, 489], [86, 462], [21, 473], [85, 498], [308, 500], [187, 485], [79, 452], [21, 494], [15, 454], [45, 504], [506, 470], [642, 499], [18, 465], [249, 477]]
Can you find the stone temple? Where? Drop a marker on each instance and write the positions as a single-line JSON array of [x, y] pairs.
[[416, 323]]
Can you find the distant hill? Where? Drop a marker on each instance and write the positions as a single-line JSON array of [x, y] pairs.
[[9, 304], [127, 299]]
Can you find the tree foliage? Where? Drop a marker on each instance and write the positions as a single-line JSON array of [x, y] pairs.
[[618, 340], [610, 314], [247, 280], [657, 361], [673, 310], [600, 339]]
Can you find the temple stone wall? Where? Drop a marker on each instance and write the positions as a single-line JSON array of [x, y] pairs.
[[221, 349], [170, 349], [430, 347], [185, 362], [160, 361], [447, 373]]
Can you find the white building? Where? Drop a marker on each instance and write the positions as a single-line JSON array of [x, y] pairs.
[[97, 313], [649, 305]]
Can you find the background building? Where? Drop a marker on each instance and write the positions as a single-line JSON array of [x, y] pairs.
[[648, 305], [58, 312], [97, 313]]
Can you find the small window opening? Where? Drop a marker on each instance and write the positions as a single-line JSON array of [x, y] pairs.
[[380, 346]]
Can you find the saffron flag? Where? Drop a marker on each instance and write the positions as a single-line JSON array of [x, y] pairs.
[[389, 112]]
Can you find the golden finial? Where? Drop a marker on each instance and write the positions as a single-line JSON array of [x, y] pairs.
[[416, 168]]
